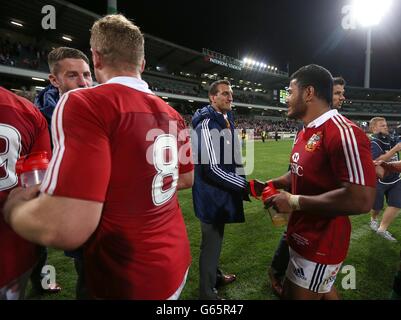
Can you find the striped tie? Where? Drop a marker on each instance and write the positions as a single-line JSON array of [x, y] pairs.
[[228, 123]]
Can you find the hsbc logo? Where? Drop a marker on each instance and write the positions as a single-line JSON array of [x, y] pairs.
[[295, 167]]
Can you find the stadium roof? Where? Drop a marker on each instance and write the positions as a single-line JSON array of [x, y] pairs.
[[75, 22]]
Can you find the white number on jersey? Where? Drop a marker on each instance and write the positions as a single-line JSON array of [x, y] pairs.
[[10, 147], [165, 144]]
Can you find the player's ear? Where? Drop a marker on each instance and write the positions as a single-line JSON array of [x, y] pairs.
[[97, 59], [309, 93], [53, 80], [143, 65]]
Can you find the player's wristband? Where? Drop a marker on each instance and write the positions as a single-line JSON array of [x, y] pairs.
[[252, 189], [294, 202]]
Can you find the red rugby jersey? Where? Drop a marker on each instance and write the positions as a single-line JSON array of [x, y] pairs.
[[329, 151], [119, 144], [23, 130]]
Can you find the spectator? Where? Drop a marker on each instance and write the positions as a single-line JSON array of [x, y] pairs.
[[69, 69]]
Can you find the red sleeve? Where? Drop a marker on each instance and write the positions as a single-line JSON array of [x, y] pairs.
[[185, 159], [81, 164], [349, 154]]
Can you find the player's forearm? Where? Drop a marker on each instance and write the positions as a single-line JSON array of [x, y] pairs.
[[27, 221], [388, 155], [283, 182], [339, 202]]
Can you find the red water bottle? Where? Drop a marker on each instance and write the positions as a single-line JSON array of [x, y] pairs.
[[31, 168], [278, 219]]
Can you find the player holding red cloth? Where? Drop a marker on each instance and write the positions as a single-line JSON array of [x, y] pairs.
[[332, 176]]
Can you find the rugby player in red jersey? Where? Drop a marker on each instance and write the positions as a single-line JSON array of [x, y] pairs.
[[121, 153], [22, 130], [332, 176]]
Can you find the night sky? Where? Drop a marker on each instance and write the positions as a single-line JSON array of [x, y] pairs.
[[280, 32]]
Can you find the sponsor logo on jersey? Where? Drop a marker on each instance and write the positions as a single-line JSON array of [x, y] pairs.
[[295, 167]]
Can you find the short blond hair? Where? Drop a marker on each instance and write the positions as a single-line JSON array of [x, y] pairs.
[[374, 121], [119, 41]]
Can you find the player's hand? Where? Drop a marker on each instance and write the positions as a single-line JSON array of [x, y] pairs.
[[256, 187], [380, 170], [281, 202], [17, 197]]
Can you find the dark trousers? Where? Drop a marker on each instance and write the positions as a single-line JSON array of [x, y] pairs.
[[212, 240], [81, 292], [281, 258], [36, 275]]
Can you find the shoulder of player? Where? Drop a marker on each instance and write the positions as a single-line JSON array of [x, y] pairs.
[[83, 96], [172, 113], [340, 128], [340, 124], [20, 105]]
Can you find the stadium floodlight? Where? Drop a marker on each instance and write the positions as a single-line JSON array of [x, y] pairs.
[[66, 38], [15, 23], [257, 64], [38, 79], [275, 69], [369, 13]]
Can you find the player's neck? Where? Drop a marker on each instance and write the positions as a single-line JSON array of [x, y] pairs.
[[106, 74], [314, 113]]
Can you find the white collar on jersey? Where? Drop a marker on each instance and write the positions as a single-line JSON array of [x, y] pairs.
[[323, 118], [135, 83]]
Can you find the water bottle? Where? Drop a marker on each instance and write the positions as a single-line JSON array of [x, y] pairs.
[[31, 168], [278, 219]]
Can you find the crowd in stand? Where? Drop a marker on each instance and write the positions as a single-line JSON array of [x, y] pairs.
[[258, 126], [18, 54], [267, 125]]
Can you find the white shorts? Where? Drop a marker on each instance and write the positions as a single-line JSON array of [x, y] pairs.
[[310, 275]]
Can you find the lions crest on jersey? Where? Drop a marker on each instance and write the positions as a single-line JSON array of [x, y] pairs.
[[314, 142]]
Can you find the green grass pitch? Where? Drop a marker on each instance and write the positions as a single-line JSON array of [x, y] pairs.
[[248, 247]]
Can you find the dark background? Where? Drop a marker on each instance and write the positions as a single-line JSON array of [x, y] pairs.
[[279, 32]]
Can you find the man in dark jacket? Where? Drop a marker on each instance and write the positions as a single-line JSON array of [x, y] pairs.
[[220, 185], [69, 70]]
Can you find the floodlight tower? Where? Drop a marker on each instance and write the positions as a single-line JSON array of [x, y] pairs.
[[369, 13]]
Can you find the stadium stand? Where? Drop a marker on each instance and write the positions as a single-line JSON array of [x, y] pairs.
[[178, 74]]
